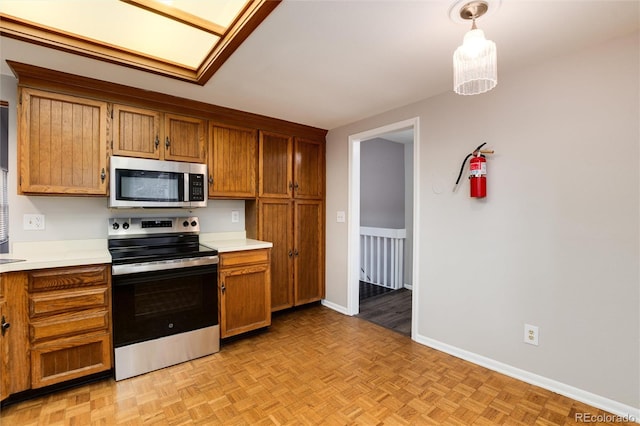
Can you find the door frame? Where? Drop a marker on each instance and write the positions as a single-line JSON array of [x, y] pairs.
[[353, 224]]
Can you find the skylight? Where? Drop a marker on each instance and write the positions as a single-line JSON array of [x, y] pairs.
[[186, 39]]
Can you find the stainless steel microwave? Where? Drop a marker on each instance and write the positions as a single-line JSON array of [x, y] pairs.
[[137, 182]]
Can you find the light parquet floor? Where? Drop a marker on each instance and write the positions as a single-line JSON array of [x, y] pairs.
[[313, 366]]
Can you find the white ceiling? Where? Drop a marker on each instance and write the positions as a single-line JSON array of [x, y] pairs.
[[328, 63]]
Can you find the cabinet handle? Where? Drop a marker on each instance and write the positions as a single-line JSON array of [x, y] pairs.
[[210, 180], [290, 253], [157, 142], [167, 142], [295, 186], [103, 175], [223, 288], [290, 186], [4, 325], [295, 252]]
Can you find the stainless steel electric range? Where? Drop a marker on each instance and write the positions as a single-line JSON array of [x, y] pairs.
[[164, 294]]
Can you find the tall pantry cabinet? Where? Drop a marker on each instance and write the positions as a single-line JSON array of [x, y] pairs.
[[291, 215]]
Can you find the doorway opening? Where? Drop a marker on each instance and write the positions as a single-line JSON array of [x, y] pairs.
[[399, 222]]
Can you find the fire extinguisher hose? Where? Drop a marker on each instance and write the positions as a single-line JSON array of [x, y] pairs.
[[464, 162]]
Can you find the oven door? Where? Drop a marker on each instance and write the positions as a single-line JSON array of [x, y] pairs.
[[150, 305]]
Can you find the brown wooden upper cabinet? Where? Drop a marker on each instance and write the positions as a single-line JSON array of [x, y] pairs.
[[62, 144], [308, 169], [136, 132], [232, 162], [185, 138], [290, 167], [146, 133], [276, 165]]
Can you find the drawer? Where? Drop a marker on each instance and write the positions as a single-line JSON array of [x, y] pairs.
[[68, 324], [66, 278], [244, 257], [62, 301]]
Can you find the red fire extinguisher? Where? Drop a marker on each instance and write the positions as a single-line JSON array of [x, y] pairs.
[[477, 172], [478, 176]]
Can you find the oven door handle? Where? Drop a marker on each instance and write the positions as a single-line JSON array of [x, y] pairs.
[[162, 265]]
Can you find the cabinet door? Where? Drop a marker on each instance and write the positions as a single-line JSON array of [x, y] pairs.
[[4, 345], [63, 144], [15, 342], [276, 165], [185, 139], [136, 132], [245, 299], [308, 251], [308, 169], [232, 162], [276, 226]]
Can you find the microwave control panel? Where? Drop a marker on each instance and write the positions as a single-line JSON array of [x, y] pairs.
[[196, 187]]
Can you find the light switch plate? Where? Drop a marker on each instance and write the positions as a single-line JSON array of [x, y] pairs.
[[340, 217], [235, 216]]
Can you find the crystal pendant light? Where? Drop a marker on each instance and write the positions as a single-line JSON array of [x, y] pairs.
[[475, 68]]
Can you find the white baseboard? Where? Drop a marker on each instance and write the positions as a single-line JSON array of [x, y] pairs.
[[626, 412], [408, 286], [335, 307]]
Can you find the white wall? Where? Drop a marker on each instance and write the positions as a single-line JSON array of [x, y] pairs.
[[556, 242], [72, 218], [382, 184]]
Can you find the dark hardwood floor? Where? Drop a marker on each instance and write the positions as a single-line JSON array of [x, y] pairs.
[[389, 308]]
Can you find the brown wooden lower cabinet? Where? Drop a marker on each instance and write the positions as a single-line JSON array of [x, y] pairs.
[[244, 285], [60, 326], [4, 344], [296, 229], [65, 359], [15, 341]]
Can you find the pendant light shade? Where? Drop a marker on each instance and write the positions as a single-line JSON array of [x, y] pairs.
[[475, 68]]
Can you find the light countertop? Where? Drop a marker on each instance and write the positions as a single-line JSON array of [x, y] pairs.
[[232, 241], [55, 254]]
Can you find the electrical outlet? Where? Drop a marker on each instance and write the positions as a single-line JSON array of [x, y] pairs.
[[531, 334], [340, 217], [235, 216], [33, 222]]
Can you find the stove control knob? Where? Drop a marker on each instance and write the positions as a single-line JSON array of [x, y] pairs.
[[185, 223], [125, 225], [115, 225], [194, 223]]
